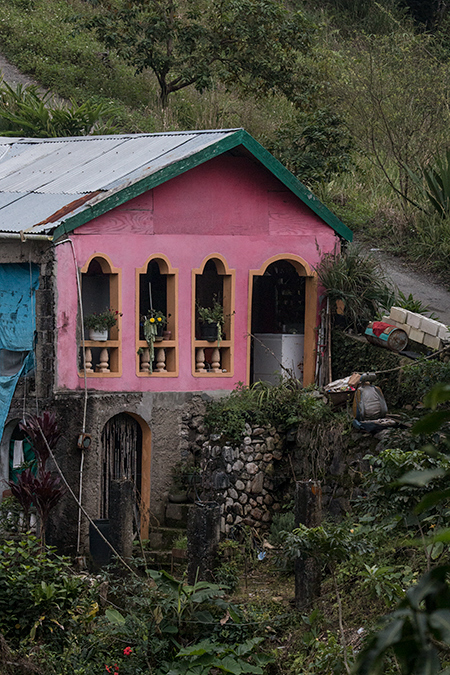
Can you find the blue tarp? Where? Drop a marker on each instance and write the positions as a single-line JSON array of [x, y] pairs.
[[18, 284]]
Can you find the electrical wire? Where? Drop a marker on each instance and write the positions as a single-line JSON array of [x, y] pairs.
[[80, 506], [413, 363]]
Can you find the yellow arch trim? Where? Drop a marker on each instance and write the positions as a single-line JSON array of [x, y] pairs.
[[221, 264], [164, 268], [300, 264], [105, 263]]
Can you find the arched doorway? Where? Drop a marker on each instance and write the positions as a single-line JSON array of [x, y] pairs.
[[126, 453], [282, 320]]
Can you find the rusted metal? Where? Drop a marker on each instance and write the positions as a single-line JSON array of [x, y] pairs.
[[68, 208]]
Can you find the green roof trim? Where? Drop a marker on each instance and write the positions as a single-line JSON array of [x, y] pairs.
[[234, 140]]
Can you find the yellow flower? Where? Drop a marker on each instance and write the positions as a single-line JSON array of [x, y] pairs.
[[152, 319], [159, 318]]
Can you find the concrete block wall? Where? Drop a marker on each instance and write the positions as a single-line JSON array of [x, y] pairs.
[[419, 328]]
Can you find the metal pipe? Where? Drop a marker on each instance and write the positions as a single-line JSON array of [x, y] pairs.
[[24, 236]]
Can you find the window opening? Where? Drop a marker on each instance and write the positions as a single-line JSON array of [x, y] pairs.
[[213, 304], [95, 291], [152, 293], [21, 454], [100, 293], [156, 288]]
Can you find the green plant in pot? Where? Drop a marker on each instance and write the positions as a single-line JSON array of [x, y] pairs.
[[211, 321], [153, 323], [186, 478], [100, 323]]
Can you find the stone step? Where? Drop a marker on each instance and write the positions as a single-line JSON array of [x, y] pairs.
[[171, 561], [162, 538], [177, 514]]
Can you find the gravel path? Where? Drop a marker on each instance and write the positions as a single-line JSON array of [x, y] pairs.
[[12, 75], [423, 286]]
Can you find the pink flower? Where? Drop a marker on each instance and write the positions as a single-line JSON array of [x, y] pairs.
[[127, 651]]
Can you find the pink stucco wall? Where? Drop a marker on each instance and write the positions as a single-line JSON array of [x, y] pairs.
[[231, 206]]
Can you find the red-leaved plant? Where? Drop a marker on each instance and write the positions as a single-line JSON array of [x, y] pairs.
[[44, 490]]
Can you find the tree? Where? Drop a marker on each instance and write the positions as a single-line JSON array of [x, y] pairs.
[[395, 97], [254, 43], [315, 146]]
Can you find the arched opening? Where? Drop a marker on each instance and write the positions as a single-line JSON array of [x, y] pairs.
[[156, 284], [213, 304], [208, 289], [16, 453], [100, 286], [95, 291], [126, 453], [282, 321], [152, 292]]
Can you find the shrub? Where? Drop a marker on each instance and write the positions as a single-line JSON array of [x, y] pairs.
[[283, 405], [421, 376], [38, 593], [358, 281]]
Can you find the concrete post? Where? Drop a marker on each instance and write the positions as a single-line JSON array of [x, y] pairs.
[[121, 507], [203, 534], [308, 511]]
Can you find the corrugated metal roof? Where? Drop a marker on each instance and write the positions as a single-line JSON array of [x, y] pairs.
[[52, 186], [38, 177]]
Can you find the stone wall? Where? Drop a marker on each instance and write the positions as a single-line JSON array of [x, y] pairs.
[[256, 479], [248, 481]]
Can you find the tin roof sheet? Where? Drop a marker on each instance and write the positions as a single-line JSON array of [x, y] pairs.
[[38, 177], [51, 186]]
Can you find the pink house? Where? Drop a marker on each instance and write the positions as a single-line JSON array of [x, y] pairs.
[[170, 222]]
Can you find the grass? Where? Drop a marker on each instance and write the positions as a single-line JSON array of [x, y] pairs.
[[43, 39]]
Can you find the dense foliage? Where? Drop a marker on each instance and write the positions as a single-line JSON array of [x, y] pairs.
[[26, 112], [284, 405], [351, 96], [356, 280], [40, 596], [254, 43]]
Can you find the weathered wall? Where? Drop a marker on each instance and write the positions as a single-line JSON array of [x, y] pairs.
[[161, 412], [229, 206]]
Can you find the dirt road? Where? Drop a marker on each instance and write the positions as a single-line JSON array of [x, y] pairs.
[[12, 75], [422, 286]]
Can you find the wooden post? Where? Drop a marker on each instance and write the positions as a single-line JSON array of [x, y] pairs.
[[308, 512], [203, 534], [121, 507]]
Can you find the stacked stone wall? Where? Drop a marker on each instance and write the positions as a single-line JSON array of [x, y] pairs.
[[247, 480]]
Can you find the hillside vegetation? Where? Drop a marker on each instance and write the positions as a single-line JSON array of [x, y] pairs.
[[351, 96]]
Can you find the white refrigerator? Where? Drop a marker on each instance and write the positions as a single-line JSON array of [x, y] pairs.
[[271, 349]]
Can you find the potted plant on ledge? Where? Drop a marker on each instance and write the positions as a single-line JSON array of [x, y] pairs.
[[153, 323], [99, 324], [211, 321]]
